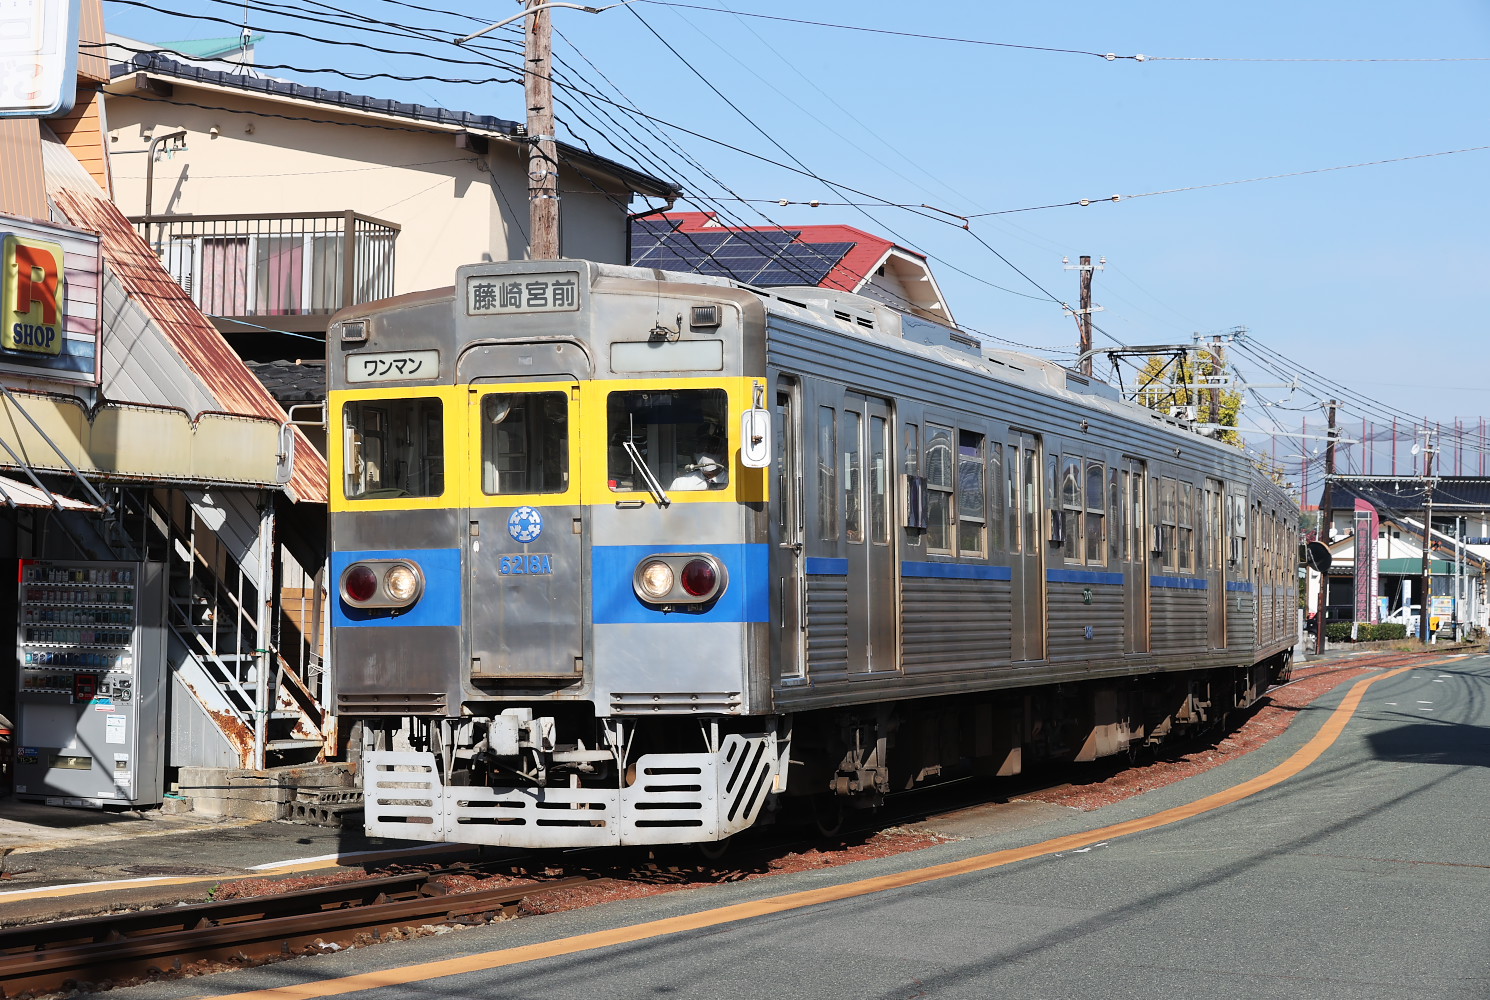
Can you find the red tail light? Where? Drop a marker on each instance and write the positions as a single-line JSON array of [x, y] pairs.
[[699, 578], [361, 584]]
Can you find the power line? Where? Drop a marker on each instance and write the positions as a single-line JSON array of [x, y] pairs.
[[1247, 180]]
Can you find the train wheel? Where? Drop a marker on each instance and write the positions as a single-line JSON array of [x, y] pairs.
[[714, 850], [828, 815]]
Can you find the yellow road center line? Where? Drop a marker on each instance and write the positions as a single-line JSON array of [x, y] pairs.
[[1302, 758]]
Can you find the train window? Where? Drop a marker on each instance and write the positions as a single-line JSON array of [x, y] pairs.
[[525, 443], [1093, 528], [677, 435], [853, 477], [827, 474], [1166, 521], [911, 466], [879, 480], [938, 488], [1030, 480], [971, 516], [394, 448], [995, 497], [1115, 529], [1011, 483], [1185, 529], [1071, 507]]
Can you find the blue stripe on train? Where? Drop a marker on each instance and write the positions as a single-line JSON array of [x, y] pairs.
[[955, 571], [823, 566], [440, 605], [745, 599], [1082, 576], [1178, 582], [1244, 586]]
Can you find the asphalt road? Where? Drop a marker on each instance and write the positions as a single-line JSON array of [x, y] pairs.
[[1365, 875]]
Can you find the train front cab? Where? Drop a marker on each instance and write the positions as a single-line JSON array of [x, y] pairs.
[[592, 578]]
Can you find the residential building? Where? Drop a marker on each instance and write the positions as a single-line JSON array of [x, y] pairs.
[[276, 203]]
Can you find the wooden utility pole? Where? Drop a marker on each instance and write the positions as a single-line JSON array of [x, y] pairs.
[[1086, 312], [543, 159], [1426, 601], [1326, 515]]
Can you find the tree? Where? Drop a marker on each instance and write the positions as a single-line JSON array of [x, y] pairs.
[[1165, 381]]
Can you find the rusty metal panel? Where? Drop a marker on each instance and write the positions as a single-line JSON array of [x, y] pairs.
[[23, 187], [194, 339]]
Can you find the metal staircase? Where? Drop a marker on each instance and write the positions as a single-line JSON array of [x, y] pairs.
[[224, 639]]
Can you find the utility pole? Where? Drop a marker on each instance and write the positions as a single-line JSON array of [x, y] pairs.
[[1217, 359], [1427, 585], [1326, 515], [1085, 310], [543, 159]]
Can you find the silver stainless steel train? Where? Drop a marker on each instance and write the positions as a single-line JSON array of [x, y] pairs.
[[633, 557]]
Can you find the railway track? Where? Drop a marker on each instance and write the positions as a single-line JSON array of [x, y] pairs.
[[91, 952]]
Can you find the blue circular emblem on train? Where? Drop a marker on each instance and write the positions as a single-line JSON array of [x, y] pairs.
[[525, 524]]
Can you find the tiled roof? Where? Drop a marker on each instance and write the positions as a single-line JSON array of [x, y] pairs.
[[249, 80], [1463, 492], [291, 382]]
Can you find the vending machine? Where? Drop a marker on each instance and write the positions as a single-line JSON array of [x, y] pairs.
[[90, 693]]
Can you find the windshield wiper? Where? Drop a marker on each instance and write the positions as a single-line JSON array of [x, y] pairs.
[[653, 485]]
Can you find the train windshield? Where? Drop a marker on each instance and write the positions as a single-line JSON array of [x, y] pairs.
[[394, 448], [677, 437]]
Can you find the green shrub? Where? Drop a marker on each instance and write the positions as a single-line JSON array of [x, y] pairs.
[[1389, 630], [1337, 632]]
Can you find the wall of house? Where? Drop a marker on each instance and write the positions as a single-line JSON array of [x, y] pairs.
[[453, 205]]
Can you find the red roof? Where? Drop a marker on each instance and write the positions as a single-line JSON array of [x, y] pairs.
[[849, 274]]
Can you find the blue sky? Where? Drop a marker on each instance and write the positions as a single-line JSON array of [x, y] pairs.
[[1371, 277]]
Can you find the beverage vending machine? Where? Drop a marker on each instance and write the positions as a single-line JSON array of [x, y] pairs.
[[90, 693]]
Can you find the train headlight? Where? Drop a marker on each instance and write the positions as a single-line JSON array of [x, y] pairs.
[[684, 578], [654, 580], [382, 583], [402, 583]]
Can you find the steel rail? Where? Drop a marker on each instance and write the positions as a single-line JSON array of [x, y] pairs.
[[62, 955]]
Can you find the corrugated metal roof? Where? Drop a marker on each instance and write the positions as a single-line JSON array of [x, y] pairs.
[[197, 342]]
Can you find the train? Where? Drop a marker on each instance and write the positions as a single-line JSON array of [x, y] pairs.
[[633, 557]]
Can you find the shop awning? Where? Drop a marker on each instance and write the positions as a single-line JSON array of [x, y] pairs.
[[15, 493]]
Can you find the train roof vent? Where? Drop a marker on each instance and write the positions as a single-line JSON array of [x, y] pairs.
[[1090, 386]]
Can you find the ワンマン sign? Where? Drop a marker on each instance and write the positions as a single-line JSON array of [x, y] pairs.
[[31, 304], [50, 280]]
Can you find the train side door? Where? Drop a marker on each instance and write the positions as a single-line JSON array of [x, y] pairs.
[[788, 553], [867, 489], [1215, 562], [1136, 557], [1027, 545], [524, 559]]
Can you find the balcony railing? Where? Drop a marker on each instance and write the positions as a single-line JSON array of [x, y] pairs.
[[286, 271]]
